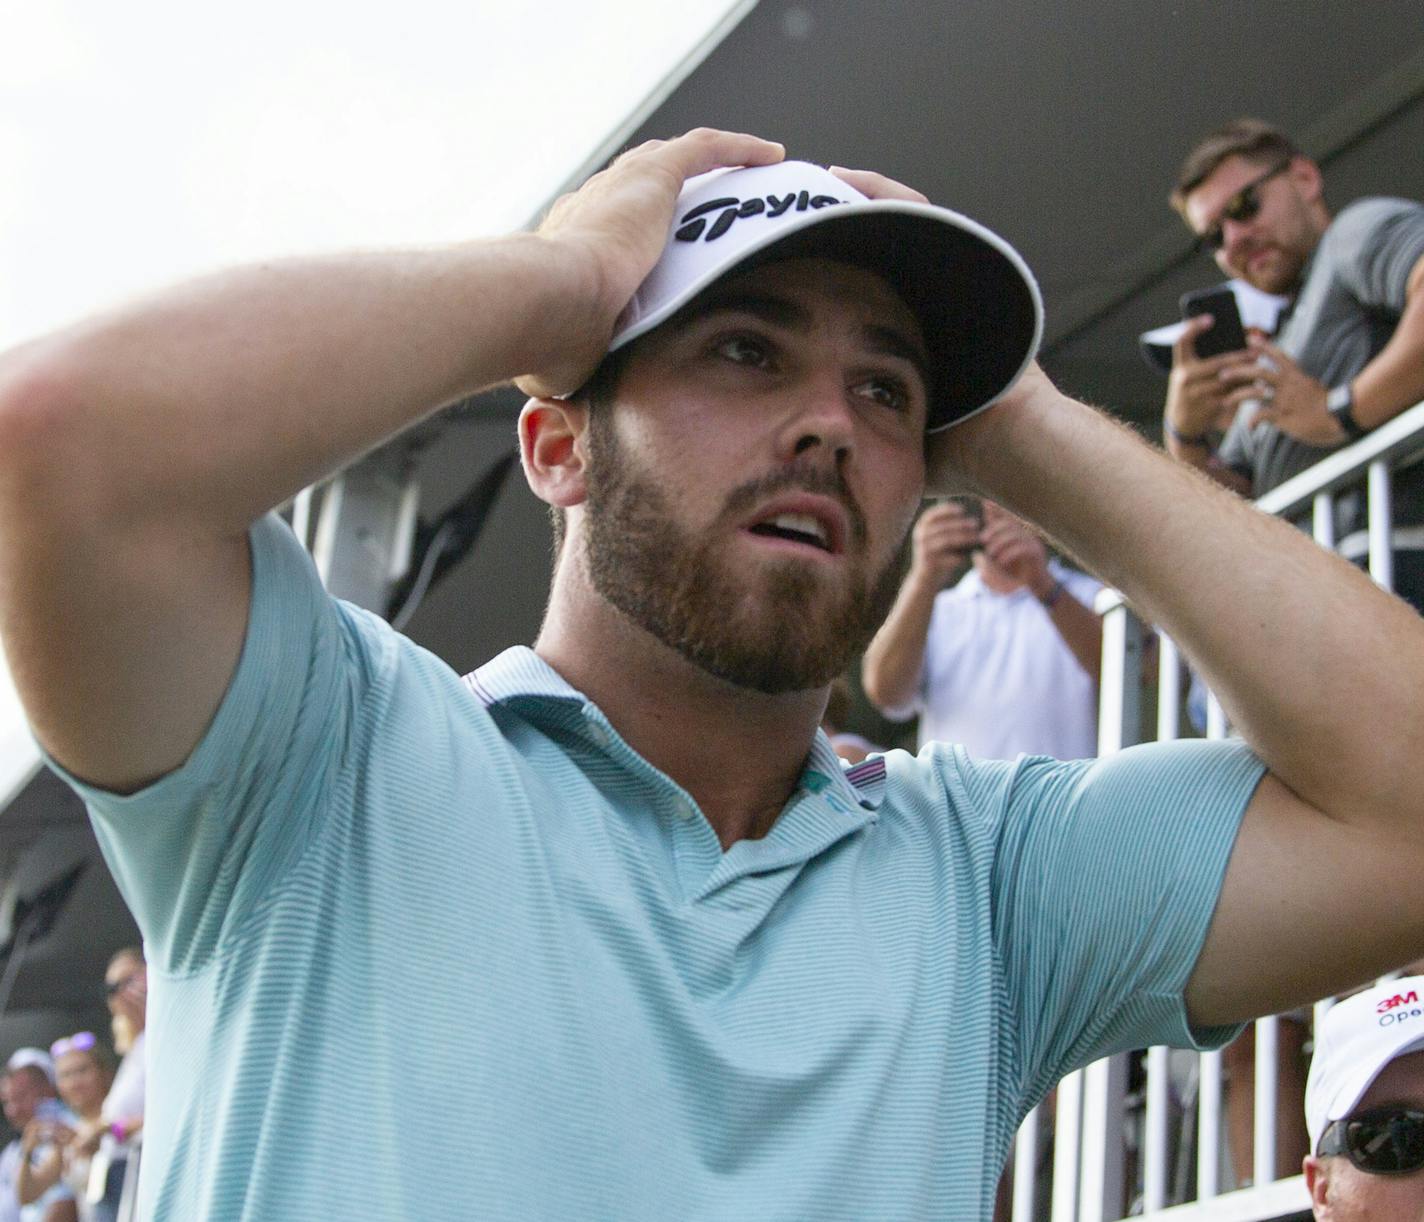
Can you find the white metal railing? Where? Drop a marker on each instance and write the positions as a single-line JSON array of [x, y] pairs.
[[1163, 1151]]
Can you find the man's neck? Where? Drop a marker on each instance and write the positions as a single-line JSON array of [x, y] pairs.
[[739, 753]]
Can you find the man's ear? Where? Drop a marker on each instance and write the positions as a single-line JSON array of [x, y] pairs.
[[1317, 1183], [553, 451], [1307, 178]]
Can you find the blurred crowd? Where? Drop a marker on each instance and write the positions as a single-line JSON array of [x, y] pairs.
[[77, 1112]]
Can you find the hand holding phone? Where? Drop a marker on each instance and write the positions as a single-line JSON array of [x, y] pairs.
[[1226, 334], [943, 538]]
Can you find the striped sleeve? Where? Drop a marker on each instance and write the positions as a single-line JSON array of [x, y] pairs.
[[1106, 876], [195, 853]]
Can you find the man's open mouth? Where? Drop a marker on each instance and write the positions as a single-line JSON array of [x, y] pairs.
[[796, 528]]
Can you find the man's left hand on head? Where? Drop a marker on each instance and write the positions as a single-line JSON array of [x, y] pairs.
[[616, 224]]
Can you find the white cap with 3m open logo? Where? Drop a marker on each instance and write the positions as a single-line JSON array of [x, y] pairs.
[[978, 306], [1355, 1041]]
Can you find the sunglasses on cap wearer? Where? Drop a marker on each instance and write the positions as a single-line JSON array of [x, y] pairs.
[[1380, 1141], [81, 1042], [1240, 208]]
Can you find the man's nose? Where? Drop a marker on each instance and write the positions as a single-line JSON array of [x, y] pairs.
[[1233, 235], [821, 415]]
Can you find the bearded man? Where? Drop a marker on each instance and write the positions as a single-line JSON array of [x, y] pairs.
[[611, 906], [1348, 354]]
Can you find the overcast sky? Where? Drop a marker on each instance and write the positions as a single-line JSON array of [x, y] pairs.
[[144, 140], [147, 140]]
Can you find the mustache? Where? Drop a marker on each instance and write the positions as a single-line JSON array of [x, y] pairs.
[[813, 480]]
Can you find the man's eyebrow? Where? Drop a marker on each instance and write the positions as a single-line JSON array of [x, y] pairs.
[[780, 311], [891, 341]]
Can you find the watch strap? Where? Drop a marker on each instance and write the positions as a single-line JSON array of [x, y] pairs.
[[1340, 403], [1186, 439]]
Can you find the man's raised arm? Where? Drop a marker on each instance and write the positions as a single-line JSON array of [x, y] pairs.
[[943, 538], [1319, 670], [137, 447]]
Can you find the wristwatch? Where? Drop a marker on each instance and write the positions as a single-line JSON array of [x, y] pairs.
[[1340, 403]]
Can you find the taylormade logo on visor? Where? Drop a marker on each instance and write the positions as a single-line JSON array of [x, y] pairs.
[[693, 224], [979, 337]]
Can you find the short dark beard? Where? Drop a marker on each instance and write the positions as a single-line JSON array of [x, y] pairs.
[[789, 635]]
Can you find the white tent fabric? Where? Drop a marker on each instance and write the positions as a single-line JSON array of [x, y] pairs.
[[19, 757]]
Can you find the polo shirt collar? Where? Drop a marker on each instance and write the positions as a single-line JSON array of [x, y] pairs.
[[519, 674]]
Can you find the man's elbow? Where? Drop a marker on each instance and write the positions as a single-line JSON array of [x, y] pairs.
[[872, 682], [888, 701], [41, 425]]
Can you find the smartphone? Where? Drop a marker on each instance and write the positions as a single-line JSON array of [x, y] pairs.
[[1226, 333], [972, 505]]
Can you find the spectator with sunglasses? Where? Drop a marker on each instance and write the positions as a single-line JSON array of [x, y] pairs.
[[126, 992], [1349, 354], [1364, 1106]]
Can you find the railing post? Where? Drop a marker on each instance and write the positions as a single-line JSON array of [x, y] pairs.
[[1263, 1169], [1156, 1126], [1156, 1136], [1026, 1168], [1067, 1142], [1209, 1126], [1209, 1097], [1323, 519], [1103, 1085], [1380, 525], [1100, 1187], [1120, 685]]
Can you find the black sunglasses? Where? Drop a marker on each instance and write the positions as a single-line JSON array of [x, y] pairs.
[[1381, 1141], [1240, 208]]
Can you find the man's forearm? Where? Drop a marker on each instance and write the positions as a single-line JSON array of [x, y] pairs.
[[1394, 379], [1080, 627], [222, 397], [893, 661], [1308, 657]]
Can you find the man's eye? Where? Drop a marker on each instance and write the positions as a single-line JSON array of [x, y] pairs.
[[744, 350], [890, 392]]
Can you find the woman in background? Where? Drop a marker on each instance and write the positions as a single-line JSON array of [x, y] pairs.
[[83, 1074]]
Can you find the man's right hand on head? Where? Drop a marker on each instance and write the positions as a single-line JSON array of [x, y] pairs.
[[942, 541], [614, 228]]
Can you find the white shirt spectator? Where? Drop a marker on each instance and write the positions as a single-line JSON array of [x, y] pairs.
[[999, 679], [125, 1098]]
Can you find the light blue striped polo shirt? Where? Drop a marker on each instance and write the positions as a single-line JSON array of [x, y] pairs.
[[428, 949]]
